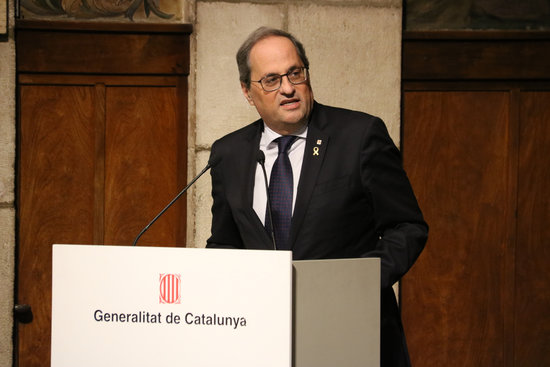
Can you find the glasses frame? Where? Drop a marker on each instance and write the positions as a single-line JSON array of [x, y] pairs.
[[281, 79]]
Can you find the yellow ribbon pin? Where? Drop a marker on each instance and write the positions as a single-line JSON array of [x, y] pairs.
[[316, 151]]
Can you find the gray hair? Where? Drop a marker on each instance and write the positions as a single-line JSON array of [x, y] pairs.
[[243, 55]]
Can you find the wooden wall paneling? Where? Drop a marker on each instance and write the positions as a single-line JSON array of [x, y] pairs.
[[99, 163], [471, 55], [182, 157], [456, 153], [98, 79], [55, 199], [142, 164], [532, 321], [102, 147], [513, 62], [103, 48], [509, 263]]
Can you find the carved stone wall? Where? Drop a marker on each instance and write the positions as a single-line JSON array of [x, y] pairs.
[[94, 10]]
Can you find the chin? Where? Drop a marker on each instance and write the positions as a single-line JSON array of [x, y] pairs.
[[295, 118], [293, 123]]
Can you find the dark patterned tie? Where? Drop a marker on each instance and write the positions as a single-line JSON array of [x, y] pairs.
[[280, 194]]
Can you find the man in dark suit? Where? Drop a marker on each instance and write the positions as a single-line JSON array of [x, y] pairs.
[[346, 194]]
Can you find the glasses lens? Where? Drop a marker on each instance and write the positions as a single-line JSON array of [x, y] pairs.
[[297, 76], [271, 82]]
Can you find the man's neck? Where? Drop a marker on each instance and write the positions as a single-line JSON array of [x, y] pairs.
[[294, 129]]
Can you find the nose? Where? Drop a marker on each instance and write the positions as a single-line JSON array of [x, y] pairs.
[[286, 86]]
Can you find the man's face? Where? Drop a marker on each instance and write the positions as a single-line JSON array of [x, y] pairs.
[[286, 109]]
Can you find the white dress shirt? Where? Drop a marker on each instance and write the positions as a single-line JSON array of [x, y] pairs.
[[271, 151]]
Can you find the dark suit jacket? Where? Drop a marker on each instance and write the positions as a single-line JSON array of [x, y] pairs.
[[353, 200]]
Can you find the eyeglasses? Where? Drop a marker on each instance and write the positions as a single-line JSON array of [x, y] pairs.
[[272, 82]]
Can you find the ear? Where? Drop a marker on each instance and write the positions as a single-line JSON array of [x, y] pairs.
[[246, 93]]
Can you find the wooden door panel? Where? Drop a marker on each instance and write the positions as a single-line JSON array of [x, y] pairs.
[[456, 152], [532, 320], [142, 165], [56, 197]]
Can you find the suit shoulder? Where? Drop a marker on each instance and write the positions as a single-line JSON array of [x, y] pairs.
[[342, 118], [245, 133]]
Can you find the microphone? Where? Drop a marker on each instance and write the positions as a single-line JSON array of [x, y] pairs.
[[214, 160], [261, 160]]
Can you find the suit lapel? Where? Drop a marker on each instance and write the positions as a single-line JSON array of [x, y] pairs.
[[250, 156], [316, 145], [314, 154]]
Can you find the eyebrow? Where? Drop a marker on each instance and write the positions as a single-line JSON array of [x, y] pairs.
[[288, 70]]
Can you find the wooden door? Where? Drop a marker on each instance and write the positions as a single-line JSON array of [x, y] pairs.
[[475, 145], [532, 253], [55, 199], [102, 148], [455, 299]]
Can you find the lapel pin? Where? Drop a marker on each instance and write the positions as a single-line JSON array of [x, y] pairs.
[[319, 142], [315, 150]]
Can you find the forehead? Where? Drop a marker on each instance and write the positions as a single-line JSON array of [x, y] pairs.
[[273, 54]]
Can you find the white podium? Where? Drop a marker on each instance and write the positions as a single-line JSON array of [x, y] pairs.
[[151, 306], [147, 306]]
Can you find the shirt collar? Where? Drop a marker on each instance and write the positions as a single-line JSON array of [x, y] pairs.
[[268, 135]]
